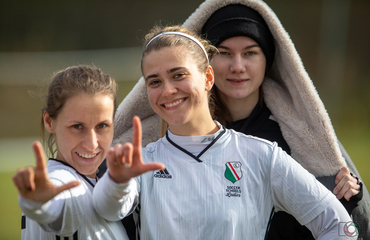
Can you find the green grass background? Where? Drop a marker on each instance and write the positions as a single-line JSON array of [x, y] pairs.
[[17, 152]]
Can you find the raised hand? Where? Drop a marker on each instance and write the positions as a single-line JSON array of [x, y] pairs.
[[125, 162], [346, 184], [33, 182]]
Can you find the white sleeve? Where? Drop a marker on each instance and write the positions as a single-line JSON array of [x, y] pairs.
[[114, 201], [43, 213], [330, 223], [295, 190]]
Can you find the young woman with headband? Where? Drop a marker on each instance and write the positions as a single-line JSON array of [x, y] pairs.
[[211, 182]]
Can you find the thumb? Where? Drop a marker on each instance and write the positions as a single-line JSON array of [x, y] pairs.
[[67, 186], [152, 167]]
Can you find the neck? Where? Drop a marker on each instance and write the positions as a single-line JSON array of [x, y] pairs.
[[240, 108], [91, 175], [196, 127]]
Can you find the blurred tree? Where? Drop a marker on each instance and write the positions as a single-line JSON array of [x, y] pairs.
[[332, 51], [83, 24]]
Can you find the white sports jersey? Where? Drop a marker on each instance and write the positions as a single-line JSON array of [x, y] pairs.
[[227, 191], [78, 219]]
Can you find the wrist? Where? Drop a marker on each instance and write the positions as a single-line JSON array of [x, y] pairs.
[[119, 180]]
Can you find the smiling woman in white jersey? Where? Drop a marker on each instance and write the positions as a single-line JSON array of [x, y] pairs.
[[209, 182], [78, 115]]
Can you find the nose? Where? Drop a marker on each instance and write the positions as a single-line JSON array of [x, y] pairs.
[[237, 65], [168, 89], [90, 142]]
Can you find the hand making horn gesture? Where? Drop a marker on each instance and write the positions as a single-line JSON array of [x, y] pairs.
[[34, 183], [125, 161]]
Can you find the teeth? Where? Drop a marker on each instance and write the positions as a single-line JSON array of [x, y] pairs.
[[87, 155], [174, 103]]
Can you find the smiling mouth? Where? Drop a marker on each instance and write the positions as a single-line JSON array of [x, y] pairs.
[[87, 156], [173, 103], [237, 80]]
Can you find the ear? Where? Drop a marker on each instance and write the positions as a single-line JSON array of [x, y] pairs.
[[48, 122], [210, 78]]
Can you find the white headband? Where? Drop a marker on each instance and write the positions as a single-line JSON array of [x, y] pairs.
[[184, 35]]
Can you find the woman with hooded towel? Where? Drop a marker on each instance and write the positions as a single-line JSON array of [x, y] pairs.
[[288, 92]]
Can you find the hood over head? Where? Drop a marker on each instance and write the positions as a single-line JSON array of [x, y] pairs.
[[288, 92]]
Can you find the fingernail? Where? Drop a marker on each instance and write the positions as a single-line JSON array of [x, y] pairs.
[[126, 165], [335, 191]]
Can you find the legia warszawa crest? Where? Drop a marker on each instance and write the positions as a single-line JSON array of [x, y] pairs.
[[233, 171]]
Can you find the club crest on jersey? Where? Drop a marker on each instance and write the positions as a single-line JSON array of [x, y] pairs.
[[233, 171]]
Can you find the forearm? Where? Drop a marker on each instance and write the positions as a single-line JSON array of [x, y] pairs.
[[326, 225], [43, 213], [114, 201]]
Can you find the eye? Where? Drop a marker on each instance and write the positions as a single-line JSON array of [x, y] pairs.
[[77, 126], [102, 125], [153, 83], [250, 53], [224, 53], [178, 75]]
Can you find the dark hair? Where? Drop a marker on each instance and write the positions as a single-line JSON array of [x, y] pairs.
[[70, 82], [190, 47], [221, 112]]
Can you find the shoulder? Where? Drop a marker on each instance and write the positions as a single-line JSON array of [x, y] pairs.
[[150, 152], [249, 139], [153, 146], [60, 172]]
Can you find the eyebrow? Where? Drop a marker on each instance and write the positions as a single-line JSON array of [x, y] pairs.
[[248, 47], [169, 71], [75, 122]]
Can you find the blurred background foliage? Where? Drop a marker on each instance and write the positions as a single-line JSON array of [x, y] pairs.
[[40, 37]]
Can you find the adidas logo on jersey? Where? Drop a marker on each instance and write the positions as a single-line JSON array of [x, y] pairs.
[[163, 174]]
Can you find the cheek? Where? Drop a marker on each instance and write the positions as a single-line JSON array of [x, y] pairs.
[[219, 67], [109, 137], [261, 64], [260, 72], [152, 97], [107, 141], [218, 83]]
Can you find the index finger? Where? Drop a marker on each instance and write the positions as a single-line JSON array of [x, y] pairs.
[[39, 155], [343, 171], [137, 135]]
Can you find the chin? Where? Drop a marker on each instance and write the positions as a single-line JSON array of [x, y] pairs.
[[176, 122]]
